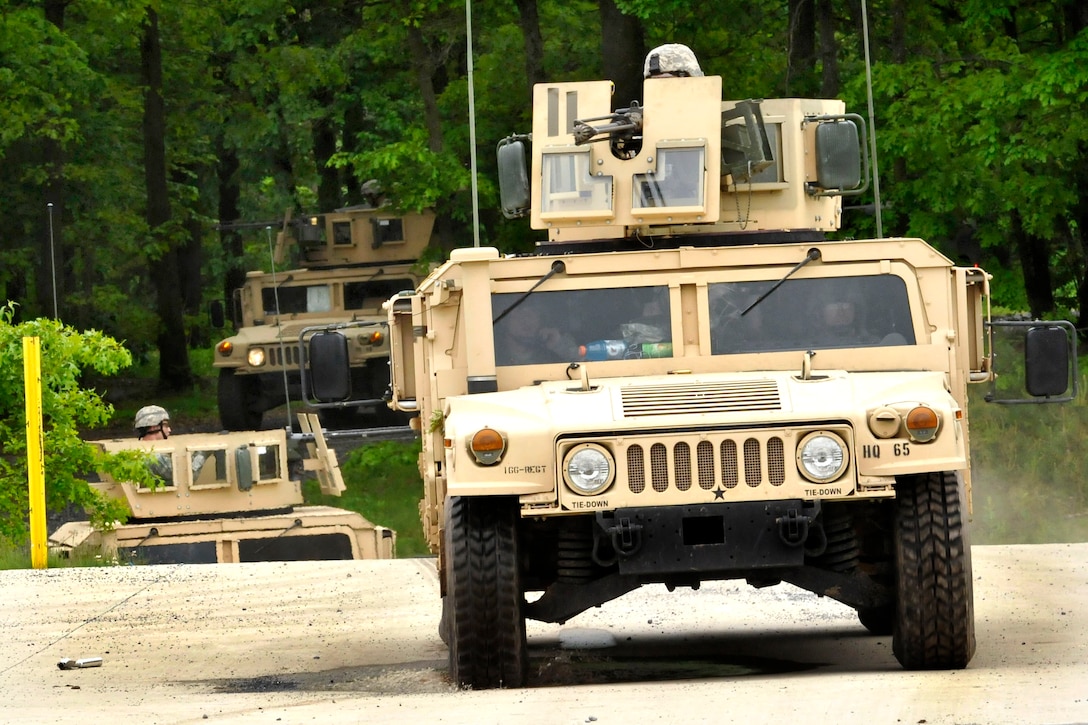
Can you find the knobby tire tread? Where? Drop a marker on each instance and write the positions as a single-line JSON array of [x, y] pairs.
[[934, 624], [487, 627]]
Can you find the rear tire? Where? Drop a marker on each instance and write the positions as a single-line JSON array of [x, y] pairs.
[[934, 619], [239, 398], [485, 625]]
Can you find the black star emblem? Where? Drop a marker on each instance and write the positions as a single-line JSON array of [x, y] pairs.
[[719, 492]]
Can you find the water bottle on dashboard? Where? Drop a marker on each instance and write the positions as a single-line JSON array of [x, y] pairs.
[[603, 350]]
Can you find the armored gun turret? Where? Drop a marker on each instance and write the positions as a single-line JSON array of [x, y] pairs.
[[352, 261], [230, 497]]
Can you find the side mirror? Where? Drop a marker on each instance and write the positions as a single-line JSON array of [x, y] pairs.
[[513, 176], [1050, 362], [1046, 361], [217, 314], [243, 466], [842, 161], [330, 367]]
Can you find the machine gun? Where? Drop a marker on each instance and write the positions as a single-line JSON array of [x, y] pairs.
[[623, 130], [746, 148]]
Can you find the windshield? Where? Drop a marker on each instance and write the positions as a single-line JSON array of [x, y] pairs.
[[303, 298], [373, 293], [575, 325], [810, 314], [635, 322]]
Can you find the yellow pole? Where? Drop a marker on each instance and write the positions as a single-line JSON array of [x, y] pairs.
[[35, 462]]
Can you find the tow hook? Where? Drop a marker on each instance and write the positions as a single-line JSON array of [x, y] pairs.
[[626, 536], [793, 527]]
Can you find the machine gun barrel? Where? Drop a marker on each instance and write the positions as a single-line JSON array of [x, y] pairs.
[[625, 122]]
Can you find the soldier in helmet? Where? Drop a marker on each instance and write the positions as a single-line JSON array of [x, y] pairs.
[[152, 423], [672, 60]]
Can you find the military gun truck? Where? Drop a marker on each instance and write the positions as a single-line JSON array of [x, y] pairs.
[[690, 382], [230, 497], [353, 260]]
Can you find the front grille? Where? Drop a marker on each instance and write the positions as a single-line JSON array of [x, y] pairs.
[[718, 397], [761, 461], [286, 356]]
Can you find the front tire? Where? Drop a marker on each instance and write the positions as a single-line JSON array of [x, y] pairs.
[[934, 619], [239, 398], [485, 625]]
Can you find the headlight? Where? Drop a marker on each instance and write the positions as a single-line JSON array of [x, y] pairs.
[[588, 469], [255, 356], [821, 457]]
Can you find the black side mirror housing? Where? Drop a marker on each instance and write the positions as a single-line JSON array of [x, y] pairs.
[[330, 367]]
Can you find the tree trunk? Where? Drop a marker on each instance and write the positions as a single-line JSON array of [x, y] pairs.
[[230, 195], [174, 371], [802, 47], [325, 137], [529, 21], [623, 53], [1035, 265], [424, 68], [829, 50]]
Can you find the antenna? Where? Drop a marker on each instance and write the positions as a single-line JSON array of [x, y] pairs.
[[872, 120], [53, 262], [472, 129], [279, 324]]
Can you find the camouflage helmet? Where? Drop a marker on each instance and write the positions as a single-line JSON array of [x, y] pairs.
[[673, 58], [150, 416]]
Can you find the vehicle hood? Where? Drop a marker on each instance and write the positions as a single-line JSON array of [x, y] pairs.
[[720, 399]]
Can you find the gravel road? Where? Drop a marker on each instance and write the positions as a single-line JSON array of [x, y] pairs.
[[352, 642]]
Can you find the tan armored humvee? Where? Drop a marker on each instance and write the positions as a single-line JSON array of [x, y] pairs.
[[229, 497], [690, 382], [354, 260]]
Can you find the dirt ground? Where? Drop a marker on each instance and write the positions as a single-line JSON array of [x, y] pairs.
[[354, 642]]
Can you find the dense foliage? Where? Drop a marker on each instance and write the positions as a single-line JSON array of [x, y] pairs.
[[131, 128], [67, 407]]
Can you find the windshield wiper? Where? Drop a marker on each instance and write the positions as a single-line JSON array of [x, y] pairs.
[[557, 266], [812, 256]]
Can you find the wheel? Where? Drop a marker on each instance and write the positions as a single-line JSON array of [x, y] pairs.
[[239, 401], [485, 625], [934, 626]]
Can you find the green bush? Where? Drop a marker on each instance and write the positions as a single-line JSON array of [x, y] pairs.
[[66, 354]]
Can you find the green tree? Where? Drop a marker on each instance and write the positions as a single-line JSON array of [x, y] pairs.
[[67, 407]]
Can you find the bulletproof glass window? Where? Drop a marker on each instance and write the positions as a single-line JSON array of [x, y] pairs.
[[773, 173], [209, 468], [372, 294], [574, 325], [268, 464], [568, 184], [809, 314], [387, 231], [677, 180], [161, 465], [341, 233]]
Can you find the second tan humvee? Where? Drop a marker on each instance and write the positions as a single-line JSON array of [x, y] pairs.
[[230, 497]]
